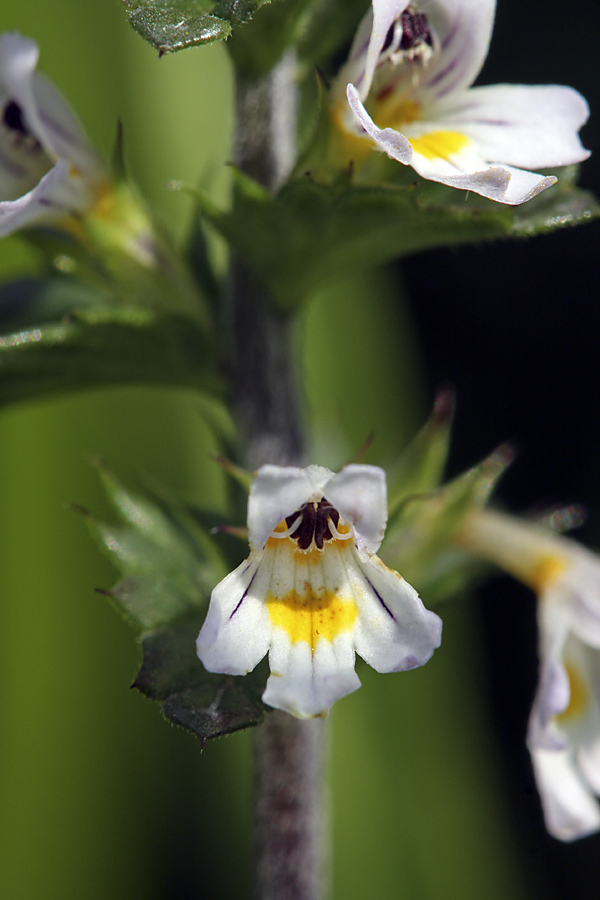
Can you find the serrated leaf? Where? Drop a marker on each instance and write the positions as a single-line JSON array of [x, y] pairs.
[[171, 25], [206, 704], [311, 233], [550, 211], [170, 562], [63, 337]]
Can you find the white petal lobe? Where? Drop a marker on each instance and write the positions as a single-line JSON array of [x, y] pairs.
[[391, 142], [570, 810], [236, 633]]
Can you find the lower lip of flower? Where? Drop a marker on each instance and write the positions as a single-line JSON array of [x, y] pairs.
[[311, 615]]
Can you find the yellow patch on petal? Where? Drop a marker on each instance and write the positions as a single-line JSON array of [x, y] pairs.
[[439, 144], [545, 572], [578, 701], [311, 616]]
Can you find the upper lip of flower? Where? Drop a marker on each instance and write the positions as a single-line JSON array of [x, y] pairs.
[[484, 139]]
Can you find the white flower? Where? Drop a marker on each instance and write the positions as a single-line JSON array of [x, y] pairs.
[[408, 83], [564, 727], [313, 592], [48, 167]]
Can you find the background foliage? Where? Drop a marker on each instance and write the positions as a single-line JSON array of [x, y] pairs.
[[99, 797]]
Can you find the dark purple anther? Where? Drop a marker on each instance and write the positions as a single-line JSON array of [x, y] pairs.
[[314, 524], [415, 30], [12, 117]]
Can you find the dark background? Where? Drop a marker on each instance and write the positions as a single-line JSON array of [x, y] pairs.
[[515, 327]]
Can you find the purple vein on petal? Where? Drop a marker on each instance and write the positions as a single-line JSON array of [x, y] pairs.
[[380, 598], [449, 37], [441, 75], [243, 597]]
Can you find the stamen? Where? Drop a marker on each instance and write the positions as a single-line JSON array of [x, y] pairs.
[[289, 531], [338, 535], [409, 39], [313, 524]]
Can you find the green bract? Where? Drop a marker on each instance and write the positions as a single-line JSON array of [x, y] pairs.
[[170, 562]]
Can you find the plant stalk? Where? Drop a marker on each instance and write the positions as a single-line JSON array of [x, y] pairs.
[[289, 753]]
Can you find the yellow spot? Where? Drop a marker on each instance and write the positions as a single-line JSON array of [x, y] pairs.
[[439, 144], [311, 616], [283, 526], [578, 700], [545, 572]]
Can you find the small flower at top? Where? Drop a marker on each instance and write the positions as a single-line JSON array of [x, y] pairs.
[[564, 727], [49, 171], [313, 593], [408, 85]]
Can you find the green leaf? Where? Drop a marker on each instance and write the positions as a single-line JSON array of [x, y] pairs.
[[207, 705], [62, 337], [419, 537], [420, 468], [171, 25], [170, 562], [310, 233]]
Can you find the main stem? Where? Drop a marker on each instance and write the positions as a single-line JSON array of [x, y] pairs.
[[289, 754]]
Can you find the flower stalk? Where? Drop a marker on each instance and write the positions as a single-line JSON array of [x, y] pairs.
[[289, 753]]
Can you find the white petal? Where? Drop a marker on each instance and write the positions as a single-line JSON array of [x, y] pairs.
[[359, 493], [237, 631], [580, 590], [394, 631], [504, 184], [391, 142], [307, 683], [45, 112], [463, 29], [354, 69], [582, 721], [37, 205], [385, 13], [276, 492], [552, 698], [530, 127], [570, 809]]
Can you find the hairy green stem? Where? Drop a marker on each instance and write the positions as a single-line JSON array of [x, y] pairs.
[[266, 398], [289, 753]]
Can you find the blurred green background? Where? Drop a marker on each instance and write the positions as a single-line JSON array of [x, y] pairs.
[[98, 796]]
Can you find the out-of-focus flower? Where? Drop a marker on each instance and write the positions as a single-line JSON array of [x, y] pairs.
[[51, 175], [313, 593], [49, 171], [408, 85], [564, 727]]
